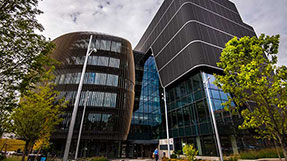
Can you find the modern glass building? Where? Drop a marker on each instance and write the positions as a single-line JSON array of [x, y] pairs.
[[178, 51], [185, 39], [109, 81]]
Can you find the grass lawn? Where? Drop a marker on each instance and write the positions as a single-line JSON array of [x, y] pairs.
[[14, 158], [12, 144]]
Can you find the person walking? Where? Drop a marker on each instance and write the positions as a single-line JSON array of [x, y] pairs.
[[155, 154]]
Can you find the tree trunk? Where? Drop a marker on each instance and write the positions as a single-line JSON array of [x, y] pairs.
[[37, 156], [24, 151], [283, 148], [276, 147]]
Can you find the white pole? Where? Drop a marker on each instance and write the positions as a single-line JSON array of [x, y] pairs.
[[81, 126], [166, 120], [205, 82], [165, 108], [75, 110]]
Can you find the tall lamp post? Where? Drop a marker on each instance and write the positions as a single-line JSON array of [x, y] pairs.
[[81, 126], [76, 105], [205, 82], [166, 120], [165, 108]]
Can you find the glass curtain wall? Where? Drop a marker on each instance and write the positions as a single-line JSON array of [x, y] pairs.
[[190, 120], [148, 115]]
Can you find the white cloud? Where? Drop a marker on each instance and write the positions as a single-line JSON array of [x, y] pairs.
[[267, 17], [124, 18], [130, 18]]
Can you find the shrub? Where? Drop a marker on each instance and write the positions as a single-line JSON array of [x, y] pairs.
[[263, 153], [93, 159], [99, 159], [190, 152], [173, 155], [2, 157], [231, 158]]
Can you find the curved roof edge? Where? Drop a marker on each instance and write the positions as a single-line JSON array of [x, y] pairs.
[[90, 32]]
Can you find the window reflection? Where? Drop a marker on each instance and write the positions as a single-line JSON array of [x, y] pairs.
[[90, 78], [96, 60], [100, 44], [116, 47], [114, 63], [103, 61], [97, 121], [112, 80], [100, 99]]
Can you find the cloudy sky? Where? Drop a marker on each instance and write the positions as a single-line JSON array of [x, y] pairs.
[[130, 18]]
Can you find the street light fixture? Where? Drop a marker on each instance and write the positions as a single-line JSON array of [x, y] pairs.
[[76, 105]]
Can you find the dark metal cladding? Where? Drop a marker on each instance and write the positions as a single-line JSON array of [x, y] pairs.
[[186, 34], [110, 80]]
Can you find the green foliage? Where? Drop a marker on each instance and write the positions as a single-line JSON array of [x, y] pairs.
[[23, 53], [12, 144], [231, 158], [173, 155], [264, 153], [257, 84], [190, 152], [93, 159], [2, 157], [37, 114]]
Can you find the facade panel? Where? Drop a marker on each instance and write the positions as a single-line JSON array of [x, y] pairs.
[[185, 22], [109, 82]]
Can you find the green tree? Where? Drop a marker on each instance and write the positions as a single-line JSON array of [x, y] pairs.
[[190, 152], [257, 84], [23, 53], [37, 115]]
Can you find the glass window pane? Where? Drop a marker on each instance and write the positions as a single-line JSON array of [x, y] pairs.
[[223, 96], [201, 111], [103, 45], [93, 118], [119, 46], [57, 79], [217, 105], [99, 98], [114, 62], [108, 45], [91, 79], [180, 117], [98, 44], [116, 47], [94, 60], [107, 102], [186, 116], [112, 80], [86, 78], [215, 94], [100, 78], [113, 100], [103, 61], [78, 78], [62, 79], [82, 98], [106, 122]]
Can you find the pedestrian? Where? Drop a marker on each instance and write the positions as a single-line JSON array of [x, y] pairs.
[[155, 154]]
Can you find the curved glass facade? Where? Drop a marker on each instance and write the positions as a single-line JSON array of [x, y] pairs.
[[109, 81]]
